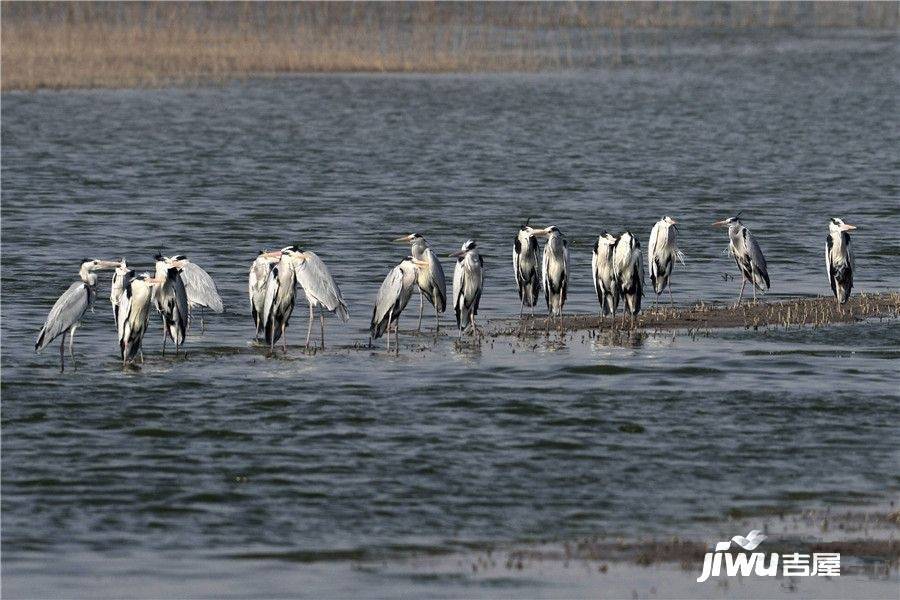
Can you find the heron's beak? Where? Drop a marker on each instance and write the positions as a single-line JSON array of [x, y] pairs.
[[178, 264], [719, 224], [457, 254], [847, 227], [405, 238], [420, 263], [273, 254], [108, 264], [671, 221], [154, 281], [301, 258], [541, 232]]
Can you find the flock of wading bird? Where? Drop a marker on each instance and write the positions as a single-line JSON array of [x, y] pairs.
[[179, 286]]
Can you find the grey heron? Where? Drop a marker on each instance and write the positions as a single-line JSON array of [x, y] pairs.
[[256, 288], [392, 298], [527, 267], [133, 315], [171, 302], [662, 252], [628, 266], [320, 288], [121, 277], [66, 314], [839, 260], [468, 283], [281, 284], [605, 283], [555, 267], [747, 254], [432, 284], [200, 287]]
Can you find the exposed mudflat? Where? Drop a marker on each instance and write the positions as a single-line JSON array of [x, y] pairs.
[[820, 311]]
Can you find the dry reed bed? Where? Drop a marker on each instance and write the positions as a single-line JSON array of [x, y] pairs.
[[65, 45], [703, 317]]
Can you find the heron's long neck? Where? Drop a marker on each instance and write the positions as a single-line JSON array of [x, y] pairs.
[[418, 249], [88, 277], [837, 237]]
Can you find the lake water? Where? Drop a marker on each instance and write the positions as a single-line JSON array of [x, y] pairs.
[[228, 471]]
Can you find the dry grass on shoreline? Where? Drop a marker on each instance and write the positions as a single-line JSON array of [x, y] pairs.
[[65, 45]]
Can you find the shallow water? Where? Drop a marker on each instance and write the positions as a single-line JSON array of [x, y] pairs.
[[228, 457]]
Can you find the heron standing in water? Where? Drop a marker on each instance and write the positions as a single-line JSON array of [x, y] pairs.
[[468, 282], [256, 288], [747, 254], [555, 267], [662, 252], [432, 284], [392, 298], [171, 302], [121, 277], [628, 265], [605, 283], [68, 311], [200, 288], [527, 267], [839, 260], [133, 315], [320, 288]]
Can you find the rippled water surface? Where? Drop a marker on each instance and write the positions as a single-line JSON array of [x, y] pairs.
[[229, 458]]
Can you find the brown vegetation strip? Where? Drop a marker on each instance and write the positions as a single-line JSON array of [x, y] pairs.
[[137, 44], [700, 317]]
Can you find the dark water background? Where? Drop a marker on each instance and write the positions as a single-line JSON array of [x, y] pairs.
[[228, 458]]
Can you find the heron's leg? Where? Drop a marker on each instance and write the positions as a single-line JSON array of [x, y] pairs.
[[421, 309], [322, 322], [62, 353], [202, 323], [309, 329], [754, 293], [284, 337], [437, 320], [390, 319], [397, 336], [741, 295], [72, 342], [671, 300], [522, 307], [164, 337]]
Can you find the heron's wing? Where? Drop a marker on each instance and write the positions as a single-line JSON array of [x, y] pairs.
[[459, 276], [545, 264], [253, 280], [479, 283], [390, 290], [436, 279], [828, 268], [181, 302], [517, 249], [123, 313], [316, 280], [756, 256], [652, 246], [272, 285], [595, 274], [200, 287], [639, 265], [68, 310]]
